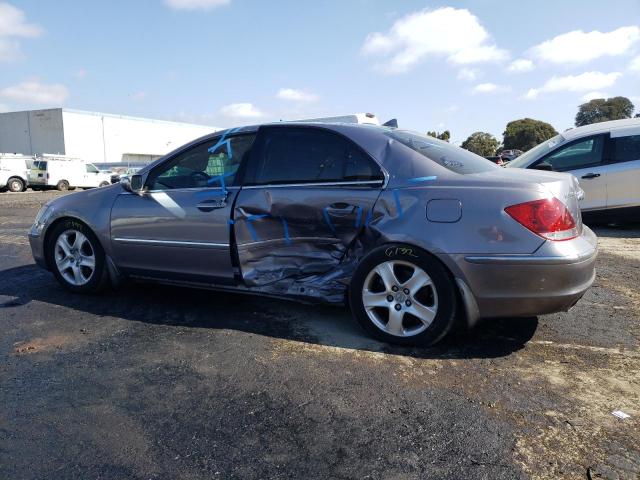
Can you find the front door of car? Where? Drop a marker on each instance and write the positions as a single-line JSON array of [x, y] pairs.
[[178, 227], [306, 196], [623, 169], [584, 159]]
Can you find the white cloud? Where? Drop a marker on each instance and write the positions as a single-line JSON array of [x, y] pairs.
[[448, 32], [452, 109], [195, 4], [13, 24], [580, 47], [296, 95], [35, 93], [634, 66], [468, 74], [584, 82], [591, 95], [520, 65], [490, 88], [241, 110]]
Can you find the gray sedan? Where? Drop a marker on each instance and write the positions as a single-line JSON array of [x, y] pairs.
[[410, 231]]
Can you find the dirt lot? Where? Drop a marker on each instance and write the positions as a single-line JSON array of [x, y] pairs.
[[160, 382]]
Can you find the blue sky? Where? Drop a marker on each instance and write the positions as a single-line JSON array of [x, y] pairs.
[[433, 65]]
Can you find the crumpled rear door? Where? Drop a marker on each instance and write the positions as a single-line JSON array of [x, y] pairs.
[[290, 233]]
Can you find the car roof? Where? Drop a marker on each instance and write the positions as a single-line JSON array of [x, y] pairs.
[[601, 127]]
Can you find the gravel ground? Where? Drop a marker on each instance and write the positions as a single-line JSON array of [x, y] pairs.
[[163, 382]]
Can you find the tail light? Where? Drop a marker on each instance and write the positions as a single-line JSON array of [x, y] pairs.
[[548, 218]]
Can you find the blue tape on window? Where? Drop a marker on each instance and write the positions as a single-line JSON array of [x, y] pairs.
[[423, 179], [325, 214], [358, 217], [398, 205]]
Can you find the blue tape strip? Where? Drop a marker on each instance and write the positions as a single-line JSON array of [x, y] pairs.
[[358, 217], [369, 218], [285, 226], [325, 214], [398, 205], [423, 179]]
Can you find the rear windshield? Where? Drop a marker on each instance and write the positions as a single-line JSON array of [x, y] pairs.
[[448, 156]]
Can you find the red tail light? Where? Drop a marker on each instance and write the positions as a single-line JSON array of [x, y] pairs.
[[548, 218]]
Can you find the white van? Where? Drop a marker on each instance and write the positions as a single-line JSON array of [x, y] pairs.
[[14, 171], [362, 118], [65, 173]]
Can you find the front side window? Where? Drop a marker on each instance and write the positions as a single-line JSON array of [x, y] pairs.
[[580, 154], [210, 164], [91, 168], [310, 155], [625, 149]]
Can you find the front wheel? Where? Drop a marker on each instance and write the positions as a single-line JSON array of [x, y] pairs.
[[403, 295], [76, 257], [62, 185], [15, 185], [104, 184]]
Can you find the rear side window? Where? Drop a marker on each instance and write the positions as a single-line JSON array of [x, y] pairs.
[[453, 158], [308, 155], [625, 149]]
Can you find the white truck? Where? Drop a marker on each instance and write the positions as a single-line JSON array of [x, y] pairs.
[[14, 171], [65, 173]]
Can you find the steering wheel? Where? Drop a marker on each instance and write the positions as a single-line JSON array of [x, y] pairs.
[[199, 178]]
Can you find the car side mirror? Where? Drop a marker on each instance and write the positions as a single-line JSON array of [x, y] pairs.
[[132, 183], [546, 166]]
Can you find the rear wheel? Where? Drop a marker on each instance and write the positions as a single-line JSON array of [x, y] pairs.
[[76, 257], [15, 185], [104, 184], [403, 295], [63, 185]]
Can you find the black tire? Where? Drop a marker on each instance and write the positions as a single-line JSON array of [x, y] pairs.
[[62, 185], [104, 184], [443, 284], [15, 185], [100, 277]]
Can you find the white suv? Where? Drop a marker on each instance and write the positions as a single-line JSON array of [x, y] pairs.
[[605, 157]]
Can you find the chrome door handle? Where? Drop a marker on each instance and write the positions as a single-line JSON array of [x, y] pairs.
[[590, 175], [209, 205]]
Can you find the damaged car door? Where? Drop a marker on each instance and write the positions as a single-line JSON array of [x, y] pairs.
[[307, 194]]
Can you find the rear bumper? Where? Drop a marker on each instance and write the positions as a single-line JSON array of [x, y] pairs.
[[552, 280]]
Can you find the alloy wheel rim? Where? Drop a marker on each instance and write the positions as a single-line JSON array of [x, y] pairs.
[[400, 298], [75, 257]]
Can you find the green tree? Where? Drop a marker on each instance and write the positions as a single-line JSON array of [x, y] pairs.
[[526, 133], [446, 135], [481, 143], [601, 110]]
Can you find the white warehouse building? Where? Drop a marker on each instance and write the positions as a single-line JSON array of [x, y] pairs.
[[93, 137]]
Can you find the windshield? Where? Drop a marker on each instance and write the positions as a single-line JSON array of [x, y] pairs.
[[448, 156], [538, 151]]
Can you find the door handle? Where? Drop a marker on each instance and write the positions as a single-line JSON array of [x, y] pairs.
[[213, 204], [341, 209], [590, 175]]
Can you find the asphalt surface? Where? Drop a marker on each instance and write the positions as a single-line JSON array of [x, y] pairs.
[[162, 382]]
